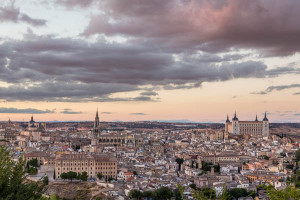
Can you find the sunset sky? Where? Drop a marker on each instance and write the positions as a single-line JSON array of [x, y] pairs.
[[180, 60]]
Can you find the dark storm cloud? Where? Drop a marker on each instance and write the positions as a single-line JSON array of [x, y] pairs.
[[62, 69], [70, 111], [271, 27], [278, 88], [12, 14], [26, 110]]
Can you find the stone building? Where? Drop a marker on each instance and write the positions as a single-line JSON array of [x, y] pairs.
[[91, 163], [253, 128]]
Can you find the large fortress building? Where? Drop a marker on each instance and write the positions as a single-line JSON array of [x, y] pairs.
[[253, 128]]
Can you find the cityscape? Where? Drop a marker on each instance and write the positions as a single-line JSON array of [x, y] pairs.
[[149, 100]]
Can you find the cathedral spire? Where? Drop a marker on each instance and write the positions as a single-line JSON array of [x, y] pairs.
[[256, 119], [265, 118], [97, 123], [227, 120], [235, 118]]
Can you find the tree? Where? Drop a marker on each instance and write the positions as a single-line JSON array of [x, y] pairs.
[[266, 157], [289, 193], [181, 190], [179, 162], [198, 195], [46, 180], [238, 192], [134, 173], [135, 194], [13, 184], [100, 175], [33, 162], [298, 155], [84, 176], [32, 171], [71, 175], [163, 193], [193, 186], [197, 165], [209, 193], [54, 175], [147, 194]]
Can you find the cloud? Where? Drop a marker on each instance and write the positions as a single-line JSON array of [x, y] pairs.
[[277, 88], [137, 113], [46, 68], [271, 27], [13, 14], [149, 93], [70, 111], [26, 110], [106, 113]]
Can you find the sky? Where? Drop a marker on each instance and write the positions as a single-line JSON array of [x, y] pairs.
[[134, 60]]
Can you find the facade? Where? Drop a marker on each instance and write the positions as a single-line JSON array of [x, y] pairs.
[[253, 128], [113, 139], [91, 163]]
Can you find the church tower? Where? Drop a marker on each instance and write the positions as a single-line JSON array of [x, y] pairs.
[[265, 130], [97, 124], [235, 125], [96, 129]]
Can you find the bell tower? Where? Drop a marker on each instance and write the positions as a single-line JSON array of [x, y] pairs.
[[96, 129]]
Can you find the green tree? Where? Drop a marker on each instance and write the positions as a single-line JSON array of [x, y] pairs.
[[193, 186], [13, 184], [32, 171], [147, 194], [163, 193], [46, 180], [209, 193], [135, 194], [33, 162], [181, 190], [199, 195], [84, 176], [179, 162], [54, 175], [71, 175], [100, 175], [298, 155], [290, 193], [238, 192], [134, 173]]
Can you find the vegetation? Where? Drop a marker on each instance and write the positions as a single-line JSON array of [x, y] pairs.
[[100, 175], [13, 184], [73, 175], [46, 180], [207, 167], [297, 155], [290, 193], [240, 192], [179, 162]]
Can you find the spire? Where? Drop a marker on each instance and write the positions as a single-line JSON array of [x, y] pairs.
[[265, 118], [256, 119], [235, 118], [227, 120], [31, 120], [97, 123]]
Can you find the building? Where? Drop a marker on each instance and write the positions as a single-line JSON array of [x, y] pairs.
[[252, 128], [113, 139], [91, 163]]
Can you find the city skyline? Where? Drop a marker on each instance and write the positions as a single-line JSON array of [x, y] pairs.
[[122, 57]]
